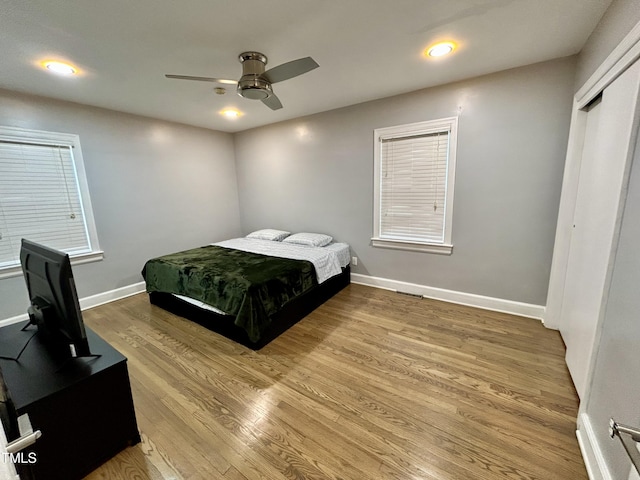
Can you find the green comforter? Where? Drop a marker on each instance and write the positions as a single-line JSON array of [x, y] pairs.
[[249, 286]]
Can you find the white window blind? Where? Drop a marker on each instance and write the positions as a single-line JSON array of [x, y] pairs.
[[414, 185], [41, 198]]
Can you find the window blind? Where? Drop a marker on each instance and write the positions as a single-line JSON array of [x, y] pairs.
[[413, 186], [40, 200]]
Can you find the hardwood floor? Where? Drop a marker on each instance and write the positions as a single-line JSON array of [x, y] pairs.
[[371, 385]]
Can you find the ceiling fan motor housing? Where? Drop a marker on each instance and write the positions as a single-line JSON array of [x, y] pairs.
[[251, 84]]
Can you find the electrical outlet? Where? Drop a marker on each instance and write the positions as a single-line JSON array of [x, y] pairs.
[[354, 261]]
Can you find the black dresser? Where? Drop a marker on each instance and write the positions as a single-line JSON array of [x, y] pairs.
[[82, 406]]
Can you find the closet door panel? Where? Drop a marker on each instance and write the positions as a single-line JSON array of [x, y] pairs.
[[596, 221]]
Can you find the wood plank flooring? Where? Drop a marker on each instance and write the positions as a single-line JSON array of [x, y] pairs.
[[371, 385]]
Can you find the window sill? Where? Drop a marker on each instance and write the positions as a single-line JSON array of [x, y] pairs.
[[16, 270], [413, 246]]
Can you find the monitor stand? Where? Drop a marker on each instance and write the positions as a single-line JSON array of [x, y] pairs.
[[13, 342], [13, 345]]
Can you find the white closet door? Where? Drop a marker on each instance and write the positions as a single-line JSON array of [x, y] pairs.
[[603, 172]]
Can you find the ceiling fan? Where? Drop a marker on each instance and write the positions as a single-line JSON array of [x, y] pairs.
[[255, 82]]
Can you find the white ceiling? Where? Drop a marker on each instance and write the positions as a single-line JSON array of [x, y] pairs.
[[367, 49]]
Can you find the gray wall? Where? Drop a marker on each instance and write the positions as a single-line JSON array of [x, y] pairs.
[[316, 174], [616, 23], [156, 187]]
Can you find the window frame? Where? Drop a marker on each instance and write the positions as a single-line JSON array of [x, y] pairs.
[[29, 136], [450, 125]]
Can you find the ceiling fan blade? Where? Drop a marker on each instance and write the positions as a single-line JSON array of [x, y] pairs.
[[203, 79], [290, 69], [272, 102]]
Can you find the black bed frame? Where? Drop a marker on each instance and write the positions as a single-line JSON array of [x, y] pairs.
[[286, 317]]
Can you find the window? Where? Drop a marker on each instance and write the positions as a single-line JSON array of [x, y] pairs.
[[414, 169], [43, 197]]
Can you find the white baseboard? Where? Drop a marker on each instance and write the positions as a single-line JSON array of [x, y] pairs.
[[91, 301], [461, 298], [469, 299], [111, 295], [590, 448]]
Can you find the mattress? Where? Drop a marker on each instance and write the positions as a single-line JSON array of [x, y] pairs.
[[338, 251]]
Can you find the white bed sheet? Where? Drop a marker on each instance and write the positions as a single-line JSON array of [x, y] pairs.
[[326, 261], [199, 304], [343, 252]]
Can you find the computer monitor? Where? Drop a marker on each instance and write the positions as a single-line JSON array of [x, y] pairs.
[[54, 308]]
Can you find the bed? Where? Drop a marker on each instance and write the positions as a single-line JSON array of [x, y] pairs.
[[250, 289]]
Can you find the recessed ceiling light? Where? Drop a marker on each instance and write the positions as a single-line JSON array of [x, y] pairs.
[[60, 68], [231, 113], [440, 49]]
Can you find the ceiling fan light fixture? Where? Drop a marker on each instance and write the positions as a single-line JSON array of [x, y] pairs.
[[231, 113], [254, 87], [253, 93], [441, 49], [60, 68]]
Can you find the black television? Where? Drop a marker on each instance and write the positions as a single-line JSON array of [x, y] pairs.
[[54, 306]]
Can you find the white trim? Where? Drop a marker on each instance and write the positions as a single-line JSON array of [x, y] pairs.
[[469, 299], [591, 453], [71, 140], [449, 124], [16, 271], [625, 53], [18, 134], [451, 296], [412, 246], [91, 301], [112, 295], [12, 320]]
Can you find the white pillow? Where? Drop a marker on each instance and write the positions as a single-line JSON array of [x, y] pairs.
[[309, 239], [269, 234]]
